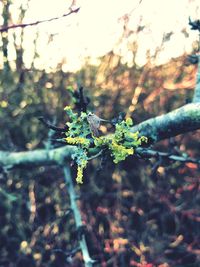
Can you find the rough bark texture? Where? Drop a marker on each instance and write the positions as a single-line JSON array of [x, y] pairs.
[[179, 121], [37, 157]]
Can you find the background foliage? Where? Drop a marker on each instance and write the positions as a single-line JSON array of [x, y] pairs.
[[138, 213]]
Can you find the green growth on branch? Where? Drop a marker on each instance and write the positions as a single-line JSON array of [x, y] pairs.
[[121, 143]]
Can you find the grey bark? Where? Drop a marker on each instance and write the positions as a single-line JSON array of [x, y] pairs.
[[179, 121]]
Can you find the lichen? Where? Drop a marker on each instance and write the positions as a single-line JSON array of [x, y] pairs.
[[121, 143]]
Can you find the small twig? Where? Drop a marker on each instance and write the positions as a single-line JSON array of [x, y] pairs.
[[96, 155], [148, 153], [58, 140], [48, 143], [69, 254], [81, 100], [77, 216], [23, 25], [52, 127], [68, 212], [195, 25], [155, 167]]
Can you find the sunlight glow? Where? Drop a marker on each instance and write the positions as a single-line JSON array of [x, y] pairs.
[[96, 29]]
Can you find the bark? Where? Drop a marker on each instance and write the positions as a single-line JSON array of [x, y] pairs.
[[179, 121], [38, 157]]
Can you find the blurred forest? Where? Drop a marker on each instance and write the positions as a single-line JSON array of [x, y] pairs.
[[139, 212]]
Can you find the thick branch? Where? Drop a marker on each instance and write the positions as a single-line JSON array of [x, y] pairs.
[[23, 25], [179, 121], [36, 158]]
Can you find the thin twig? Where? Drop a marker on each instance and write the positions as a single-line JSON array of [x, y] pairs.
[[149, 153], [96, 155], [77, 216], [51, 126], [23, 25], [68, 254]]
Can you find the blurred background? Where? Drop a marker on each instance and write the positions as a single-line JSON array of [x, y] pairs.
[[132, 57]]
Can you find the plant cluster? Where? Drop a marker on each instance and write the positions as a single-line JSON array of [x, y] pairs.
[[121, 143]]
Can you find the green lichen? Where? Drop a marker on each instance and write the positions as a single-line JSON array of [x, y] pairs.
[[121, 143]]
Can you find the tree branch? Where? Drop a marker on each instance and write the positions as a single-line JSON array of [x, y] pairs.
[[179, 121], [149, 153], [77, 216], [37, 157], [23, 25], [196, 98]]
